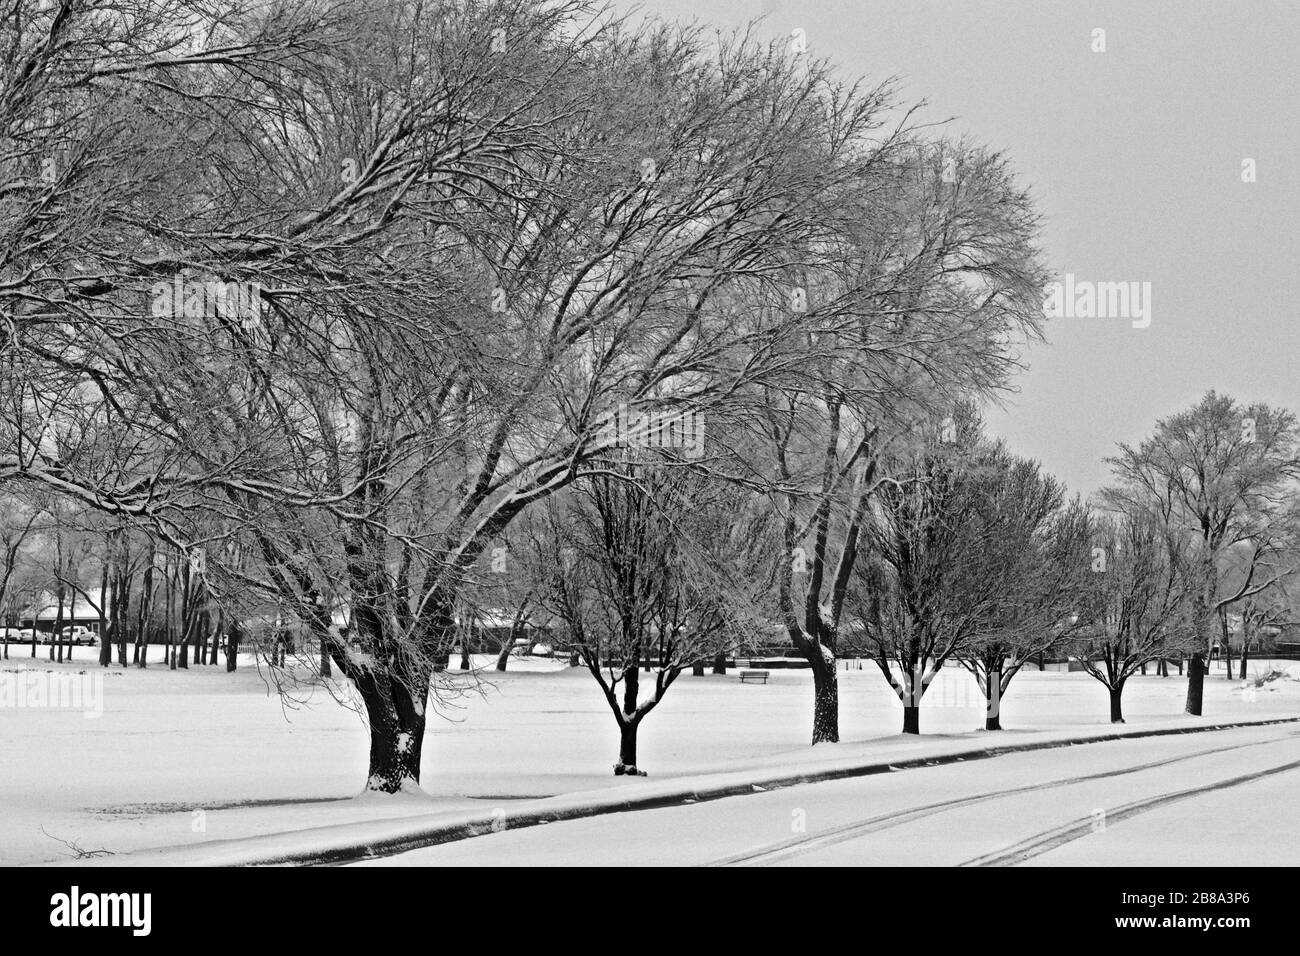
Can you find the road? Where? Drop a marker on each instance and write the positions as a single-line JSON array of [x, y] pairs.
[[1218, 798]]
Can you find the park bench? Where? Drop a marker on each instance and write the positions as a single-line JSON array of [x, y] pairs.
[[753, 675]]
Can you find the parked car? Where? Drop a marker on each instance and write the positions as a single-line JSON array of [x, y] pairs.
[[15, 634], [24, 634], [77, 634]]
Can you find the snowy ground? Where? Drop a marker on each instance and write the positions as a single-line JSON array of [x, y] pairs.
[[1225, 798], [179, 758]]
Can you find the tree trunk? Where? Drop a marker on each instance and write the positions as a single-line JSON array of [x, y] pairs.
[[911, 718], [144, 613], [213, 638], [169, 607], [232, 647], [1195, 683], [627, 746], [202, 628], [1116, 712], [1162, 669], [105, 648], [1245, 638], [187, 615], [697, 669], [58, 628], [503, 657], [325, 659], [218, 626], [189, 631], [826, 704], [105, 645], [121, 611], [992, 700], [1203, 615], [1225, 639], [396, 733], [627, 726], [720, 663]]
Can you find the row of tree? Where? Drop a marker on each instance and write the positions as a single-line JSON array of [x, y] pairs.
[[967, 554], [61, 562], [649, 565], [56, 571]]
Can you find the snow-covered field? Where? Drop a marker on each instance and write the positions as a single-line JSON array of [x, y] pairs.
[[180, 757]]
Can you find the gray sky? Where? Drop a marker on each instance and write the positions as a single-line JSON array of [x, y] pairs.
[[1135, 158]]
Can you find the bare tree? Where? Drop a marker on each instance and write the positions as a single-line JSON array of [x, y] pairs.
[[1222, 474], [1269, 611], [641, 566], [18, 521], [933, 278], [920, 597], [1136, 602], [1036, 551]]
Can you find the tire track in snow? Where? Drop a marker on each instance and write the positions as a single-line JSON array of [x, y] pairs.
[[1049, 840], [799, 846]]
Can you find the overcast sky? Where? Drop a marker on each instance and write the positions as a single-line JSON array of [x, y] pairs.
[[1135, 158]]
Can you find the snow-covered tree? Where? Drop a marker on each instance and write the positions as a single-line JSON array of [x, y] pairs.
[[1035, 552], [1224, 474], [645, 567], [921, 598], [1137, 601], [918, 299]]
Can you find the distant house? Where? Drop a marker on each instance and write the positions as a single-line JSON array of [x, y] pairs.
[[490, 629], [77, 611]]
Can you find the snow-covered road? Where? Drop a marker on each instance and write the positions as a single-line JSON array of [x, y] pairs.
[[1223, 798]]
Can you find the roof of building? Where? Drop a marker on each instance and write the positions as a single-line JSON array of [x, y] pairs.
[[75, 604]]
